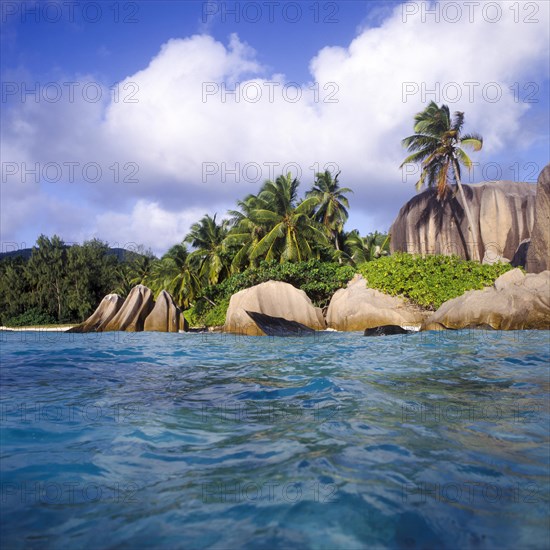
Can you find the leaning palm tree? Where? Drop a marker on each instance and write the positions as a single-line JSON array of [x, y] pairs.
[[209, 257], [438, 145], [332, 204], [291, 233]]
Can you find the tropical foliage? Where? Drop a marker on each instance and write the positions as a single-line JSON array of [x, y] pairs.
[[332, 205], [274, 234], [319, 280], [58, 283], [428, 281]]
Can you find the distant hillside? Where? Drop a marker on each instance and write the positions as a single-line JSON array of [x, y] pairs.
[[121, 254]]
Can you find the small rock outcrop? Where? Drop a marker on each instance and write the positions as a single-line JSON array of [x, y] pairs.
[[515, 301], [137, 313], [131, 316], [358, 307], [277, 326], [538, 254], [106, 310], [273, 298], [503, 212], [166, 316], [387, 330]]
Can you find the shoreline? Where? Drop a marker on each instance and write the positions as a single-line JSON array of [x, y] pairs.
[[61, 328]]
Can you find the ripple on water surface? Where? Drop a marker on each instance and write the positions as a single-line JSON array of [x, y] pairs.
[[432, 440]]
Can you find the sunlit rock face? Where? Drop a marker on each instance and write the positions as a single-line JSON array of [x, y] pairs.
[[273, 298], [165, 316], [106, 310], [503, 213], [538, 253], [133, 312], [357, 307], [515, 301], [137, 313]]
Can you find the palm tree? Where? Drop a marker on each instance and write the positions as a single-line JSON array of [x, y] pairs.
[[364, 249], [332, 204], [174, 274], [209, 257], [437, 144], [291, 233], [245, 233]]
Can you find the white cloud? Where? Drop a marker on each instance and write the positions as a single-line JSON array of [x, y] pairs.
[[146, 224], [172, 129]]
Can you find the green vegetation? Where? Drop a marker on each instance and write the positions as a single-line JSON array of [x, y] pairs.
[[57, 284], [428, 281], [319, 280], [274, 234], [31, 317]]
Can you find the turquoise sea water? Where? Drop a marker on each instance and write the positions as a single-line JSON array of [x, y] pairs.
[[432, 440]]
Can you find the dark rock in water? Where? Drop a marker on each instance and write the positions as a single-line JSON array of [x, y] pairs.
[[278, 326], [386, 330]]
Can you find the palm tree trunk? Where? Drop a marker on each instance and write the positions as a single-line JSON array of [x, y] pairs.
[[337, 246], [471, 227]]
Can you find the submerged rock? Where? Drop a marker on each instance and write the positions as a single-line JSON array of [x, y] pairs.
[[105, 311], [515, 301], [278, 326], [387, 330], [275, 299], [357, 307], [538, 254]]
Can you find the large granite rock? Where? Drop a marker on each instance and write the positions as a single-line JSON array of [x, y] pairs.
[[166, 316], [138, 312], [502, 210], [538, 254], [106, 310], [515, 301], [357, 307], [273, 298], [131, 316]]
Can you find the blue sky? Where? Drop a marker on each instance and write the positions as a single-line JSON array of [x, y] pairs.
[[362, 69]]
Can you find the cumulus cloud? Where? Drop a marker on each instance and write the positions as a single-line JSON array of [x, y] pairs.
[[197, 149], [146, 219]]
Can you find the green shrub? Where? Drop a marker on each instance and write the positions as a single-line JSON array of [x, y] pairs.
[[191, 317], [430, 280], [319, 280], [31, 317], [216, 316]]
